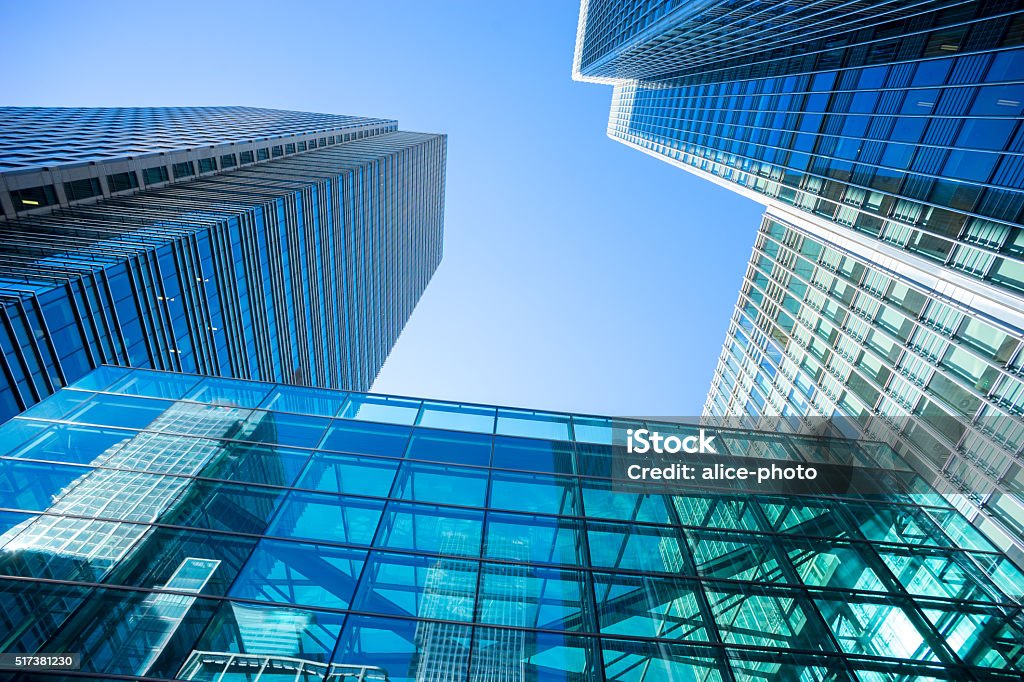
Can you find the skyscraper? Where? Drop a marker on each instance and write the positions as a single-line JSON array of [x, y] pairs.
[[228, 241], [318, 534], [885, 140]]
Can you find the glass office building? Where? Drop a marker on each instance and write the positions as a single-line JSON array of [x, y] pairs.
[[263, 532], [288, 247], [885, 140], [897, 120]]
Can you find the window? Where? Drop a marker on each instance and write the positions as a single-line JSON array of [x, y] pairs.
[[184, 170], [289, 148], [246, 157], [119, 182], [228, 161], [33, 197], [152, 176], [207, 165], [82, 189], [277, 151], [262, 154]]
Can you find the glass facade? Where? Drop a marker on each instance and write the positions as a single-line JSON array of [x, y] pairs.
[[885, 139], [897, 120], [300, 269], [819, 330], [166, 525]]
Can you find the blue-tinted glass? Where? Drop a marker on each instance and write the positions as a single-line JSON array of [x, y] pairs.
[[59, 405], [349, 474], [446, 446], [304, 400], [72, 443], [551, 657], [537, 539], [415, 586], [155, 384], [272, 631], [649, 606], [366, 439], [230, 392], [457, 417], [534, 596], [33, 486], [602, 502], [413, 651], [999, 100], [381, 409], [641, 548], [533, 424], [534, 493], [10, 519], [431, 529], [282, 428], [101, 377], [115, 410], [533, 455], [313, 516], [299, 573], [441, 484]]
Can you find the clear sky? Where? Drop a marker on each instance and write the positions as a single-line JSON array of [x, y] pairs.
[[578, 274]]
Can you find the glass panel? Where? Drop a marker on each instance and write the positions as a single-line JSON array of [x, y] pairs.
[[272, 631], [314, 516], [437, 483], [874, 627], [349, 474], [537, 539], [601, 501], [431, 529], [633, 661], [533, 424], [425, 587], [536, 493], [410, 650], [534, 597], [280, 428], [72, 443], [376, 408], [641, 548], [225, 506], [304, 400], [454, 448], [366, 439], [155, 385], [756, 616], [299, 573], [457, 417], [522, 655], [101, 377], [231, 392], [533, 455], [33, 486], [649, 606], [735, 556], [157, 557]]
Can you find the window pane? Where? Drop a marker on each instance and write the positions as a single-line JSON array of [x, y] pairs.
[[299, 573], [313, 516]]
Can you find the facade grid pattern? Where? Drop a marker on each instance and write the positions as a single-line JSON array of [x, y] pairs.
[[426, 540], [302, 269]]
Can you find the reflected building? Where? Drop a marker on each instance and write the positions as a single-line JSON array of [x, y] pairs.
[[329, 535], [886, 281], [231, 241]]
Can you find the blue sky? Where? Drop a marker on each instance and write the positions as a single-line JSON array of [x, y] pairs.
[[578, 274]]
